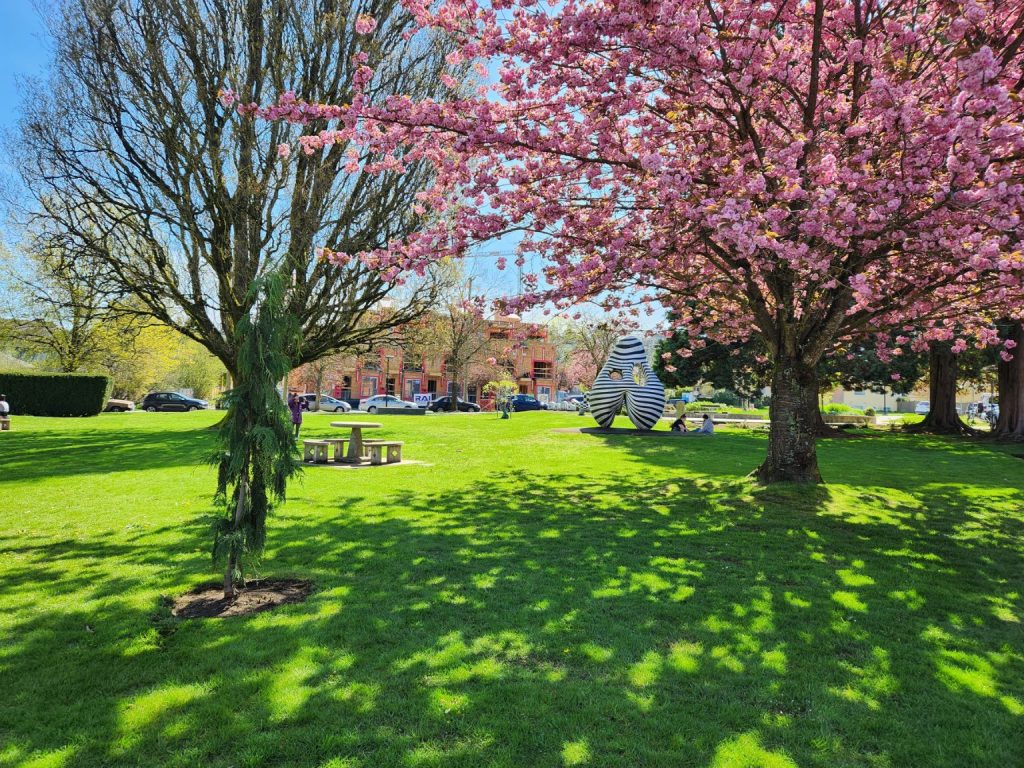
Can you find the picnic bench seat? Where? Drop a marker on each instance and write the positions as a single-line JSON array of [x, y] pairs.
[[339, 446], [384, 451], [315, 451]]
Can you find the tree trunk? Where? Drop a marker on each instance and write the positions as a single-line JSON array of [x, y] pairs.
[[821, 429], [232, 378], [229, 574], [794, 416], [942, 418], [1010, 425]]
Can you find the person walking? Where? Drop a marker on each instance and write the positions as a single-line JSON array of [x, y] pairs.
[[295, 405], [5, 413]]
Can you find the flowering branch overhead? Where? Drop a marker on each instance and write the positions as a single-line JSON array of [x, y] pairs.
[[803, 171]]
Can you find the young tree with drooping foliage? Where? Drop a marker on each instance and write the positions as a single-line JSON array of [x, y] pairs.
[[802, 172], [254, 460]]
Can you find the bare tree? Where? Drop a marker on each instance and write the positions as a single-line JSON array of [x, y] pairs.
[[54, 305], [587, 341], [130, 156], [456, 330]]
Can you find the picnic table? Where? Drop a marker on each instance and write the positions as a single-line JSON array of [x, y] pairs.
[[355, 445]]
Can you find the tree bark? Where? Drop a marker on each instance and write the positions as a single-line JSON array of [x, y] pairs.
[[1010, 425], [942, 418], [232, 565], [822, 429], [794, 416]]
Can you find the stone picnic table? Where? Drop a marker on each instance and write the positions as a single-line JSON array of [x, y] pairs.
[[355, 445]]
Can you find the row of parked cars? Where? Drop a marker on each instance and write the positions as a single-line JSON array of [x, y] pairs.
[[158, 401], [172, 401], [443, 403]]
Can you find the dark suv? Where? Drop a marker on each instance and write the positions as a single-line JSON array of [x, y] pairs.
[[172, 401], [527, 403], [445, 404]]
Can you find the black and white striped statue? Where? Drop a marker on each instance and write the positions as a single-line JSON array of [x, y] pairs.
[[627, 377]]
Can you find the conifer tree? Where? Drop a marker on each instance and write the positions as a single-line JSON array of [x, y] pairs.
[[255, 454]]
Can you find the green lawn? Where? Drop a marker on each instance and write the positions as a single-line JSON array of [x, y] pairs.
[[527, 599]]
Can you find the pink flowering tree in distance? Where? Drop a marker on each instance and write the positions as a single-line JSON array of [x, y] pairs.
[[805, 171]]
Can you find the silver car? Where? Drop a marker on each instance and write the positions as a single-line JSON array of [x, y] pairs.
[[372, 404], [327, 403]]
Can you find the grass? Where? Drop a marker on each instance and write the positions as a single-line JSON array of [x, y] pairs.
[[530, 598]]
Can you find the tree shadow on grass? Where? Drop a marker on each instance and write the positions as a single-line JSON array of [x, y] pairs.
[[851, 462], [52, 453], [551, 620]]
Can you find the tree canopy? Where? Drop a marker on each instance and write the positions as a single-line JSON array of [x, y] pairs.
[[802, 172]]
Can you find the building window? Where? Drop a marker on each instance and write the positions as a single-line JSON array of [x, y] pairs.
[[413, 386], [544, 394], [498, 334], [369, 386], [542, 369], [391, 385]]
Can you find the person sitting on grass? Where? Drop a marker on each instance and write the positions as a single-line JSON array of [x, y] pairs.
[[679, 425], [707, 427]]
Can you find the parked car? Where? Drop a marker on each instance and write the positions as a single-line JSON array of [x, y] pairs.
[[526, 403], [372, 404], [172, 401], [445, 404], [114, 405], [327, 403], [921, 408]]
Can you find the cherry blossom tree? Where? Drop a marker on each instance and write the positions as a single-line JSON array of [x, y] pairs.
[[804, 172]]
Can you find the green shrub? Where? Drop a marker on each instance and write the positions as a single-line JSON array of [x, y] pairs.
[[726, 397], [869, 411], [55, 394], [840, 408]]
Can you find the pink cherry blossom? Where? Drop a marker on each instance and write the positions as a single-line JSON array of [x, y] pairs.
[[365, 24], [754, 168]]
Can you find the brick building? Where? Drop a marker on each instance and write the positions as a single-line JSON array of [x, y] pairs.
[[522, 350]]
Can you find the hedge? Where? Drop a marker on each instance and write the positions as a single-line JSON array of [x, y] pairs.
[[55, 394]]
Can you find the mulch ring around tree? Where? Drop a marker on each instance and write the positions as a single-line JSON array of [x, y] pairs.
[[207, 600]]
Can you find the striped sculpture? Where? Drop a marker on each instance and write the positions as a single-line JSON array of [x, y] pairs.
[[627, 377]]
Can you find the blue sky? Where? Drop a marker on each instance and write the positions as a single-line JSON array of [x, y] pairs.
[[23, 52]]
